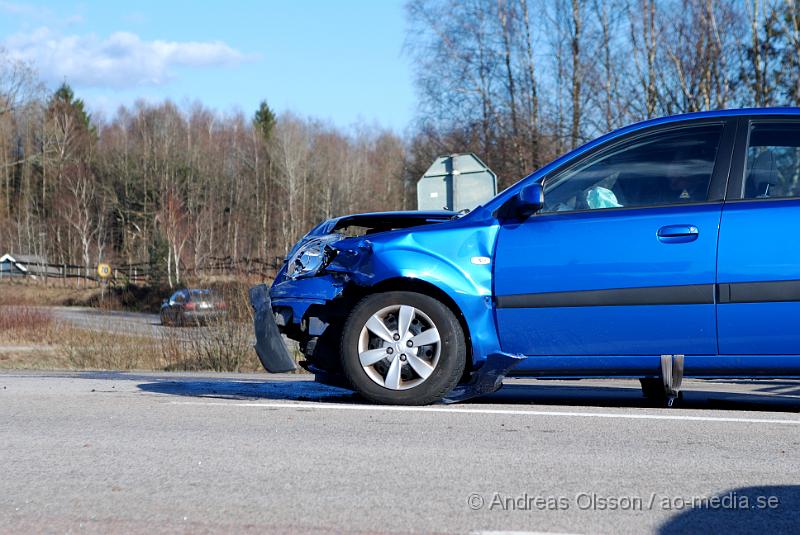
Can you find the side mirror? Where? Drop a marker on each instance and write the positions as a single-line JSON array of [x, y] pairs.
[[525, 203], [529, 200]]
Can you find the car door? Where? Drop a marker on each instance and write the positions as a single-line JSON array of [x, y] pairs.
[[759, 260], [622, 259]]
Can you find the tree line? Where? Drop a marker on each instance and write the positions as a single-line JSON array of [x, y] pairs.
[[518, 82], [177, 187]]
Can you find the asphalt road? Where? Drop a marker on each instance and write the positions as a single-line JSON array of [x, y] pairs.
[[119, 322], [93, 452]]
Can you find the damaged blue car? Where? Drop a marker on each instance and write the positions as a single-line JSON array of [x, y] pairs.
[[661, 250]]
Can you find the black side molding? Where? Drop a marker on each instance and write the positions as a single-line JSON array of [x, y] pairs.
[[693, 294], [759, 292]]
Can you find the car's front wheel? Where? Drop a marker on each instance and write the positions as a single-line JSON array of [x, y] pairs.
[[403, 348]]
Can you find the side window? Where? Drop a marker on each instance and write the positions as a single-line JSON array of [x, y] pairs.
[[178, 297], [664, 168], [773, 161]]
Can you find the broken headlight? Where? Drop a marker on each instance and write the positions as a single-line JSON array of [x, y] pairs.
[[311, 256]]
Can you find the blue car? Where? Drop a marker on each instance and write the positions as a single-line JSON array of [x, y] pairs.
[[665, 249]]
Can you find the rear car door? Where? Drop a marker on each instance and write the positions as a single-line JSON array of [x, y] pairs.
[[759, 258], [622, 259]]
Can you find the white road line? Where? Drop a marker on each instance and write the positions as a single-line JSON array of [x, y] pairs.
[[520, 533], [512, 412]]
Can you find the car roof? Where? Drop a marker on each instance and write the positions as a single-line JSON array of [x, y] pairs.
[[737, 112]]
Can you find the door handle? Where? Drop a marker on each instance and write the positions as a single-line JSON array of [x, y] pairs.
[[678, 233]]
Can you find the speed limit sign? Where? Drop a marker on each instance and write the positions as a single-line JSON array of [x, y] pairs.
[[104, 271]]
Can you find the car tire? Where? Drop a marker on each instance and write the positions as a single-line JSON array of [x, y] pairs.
[[390, 367], [653, 391]]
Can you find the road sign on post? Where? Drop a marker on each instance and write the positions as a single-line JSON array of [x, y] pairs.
[[456, 182], [103, 271]]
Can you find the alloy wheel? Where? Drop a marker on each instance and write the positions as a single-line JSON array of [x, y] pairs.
[[399, 347]]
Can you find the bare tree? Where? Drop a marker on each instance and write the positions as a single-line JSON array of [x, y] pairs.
[[506, 15], [791, 52], [576, 38], [645, 47], [532, 92], [174, 222], [77, 203], [18, 84]]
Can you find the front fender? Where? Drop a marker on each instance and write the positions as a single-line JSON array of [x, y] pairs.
[[456, 261]]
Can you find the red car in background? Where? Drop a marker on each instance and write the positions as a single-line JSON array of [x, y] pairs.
[[192, 306]]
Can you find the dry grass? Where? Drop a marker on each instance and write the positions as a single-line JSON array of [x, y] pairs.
[[25, 322], [22, 292], [223, 347], [219, 346], [31, 338], [28, 339], [95, 350]]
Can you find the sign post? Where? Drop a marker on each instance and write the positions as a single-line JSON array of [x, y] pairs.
[[104, 272]]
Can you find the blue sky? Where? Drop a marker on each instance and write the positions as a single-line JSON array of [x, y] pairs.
[[334, 60]]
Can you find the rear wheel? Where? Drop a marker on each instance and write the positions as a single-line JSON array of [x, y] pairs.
[[654, 392], [403, 348]]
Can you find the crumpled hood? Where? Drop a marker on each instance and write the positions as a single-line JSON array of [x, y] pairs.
[[359, 225], [382, 221]]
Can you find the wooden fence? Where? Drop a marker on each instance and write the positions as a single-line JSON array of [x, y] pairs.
[[147, 273]]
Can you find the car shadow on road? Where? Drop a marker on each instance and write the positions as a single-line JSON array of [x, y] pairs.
[[778, 396], [715, 395], [765, 509], [251, 389]]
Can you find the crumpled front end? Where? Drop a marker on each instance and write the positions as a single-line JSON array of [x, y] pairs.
[[450, 260], [311, 309]]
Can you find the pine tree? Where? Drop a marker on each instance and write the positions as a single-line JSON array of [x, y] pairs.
[[264, 119]]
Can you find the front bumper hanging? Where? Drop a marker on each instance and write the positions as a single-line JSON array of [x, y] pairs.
[[269, 344]]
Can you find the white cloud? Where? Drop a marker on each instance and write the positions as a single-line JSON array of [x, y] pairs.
[[121, 60]]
